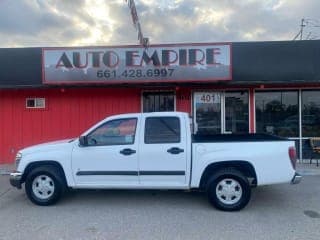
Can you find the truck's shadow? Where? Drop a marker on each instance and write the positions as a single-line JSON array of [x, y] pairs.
[[136, 197], [265, 197]]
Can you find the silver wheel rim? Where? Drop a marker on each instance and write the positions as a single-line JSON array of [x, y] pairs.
[[43, 187], [229, 191]]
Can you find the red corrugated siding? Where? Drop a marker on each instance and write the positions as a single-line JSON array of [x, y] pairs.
[[68, 113], [183, 100]]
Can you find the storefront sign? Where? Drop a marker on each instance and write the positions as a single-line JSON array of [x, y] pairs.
[[133, 64]]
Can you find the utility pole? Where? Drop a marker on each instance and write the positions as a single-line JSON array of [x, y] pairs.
[[142, 40], [301, 28], [310, 23]]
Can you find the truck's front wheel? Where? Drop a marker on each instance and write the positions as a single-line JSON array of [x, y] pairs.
[[228, 190], [44, 185]]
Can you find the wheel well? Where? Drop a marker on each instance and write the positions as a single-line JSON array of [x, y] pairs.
[[34, 165], [244, 167]]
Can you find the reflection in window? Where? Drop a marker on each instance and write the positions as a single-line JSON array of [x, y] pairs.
[[311, 113], [277, 113], [114, 132], [162, 130]]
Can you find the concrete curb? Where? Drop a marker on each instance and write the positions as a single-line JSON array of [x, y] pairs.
[[307, 169], [4, 172], [6, 169], [308, 172]]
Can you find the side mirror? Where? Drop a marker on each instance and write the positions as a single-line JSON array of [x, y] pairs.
[[83, 141]]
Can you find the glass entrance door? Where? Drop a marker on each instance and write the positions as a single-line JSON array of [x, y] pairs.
[[236, 112], [221, 112], [207, 113]]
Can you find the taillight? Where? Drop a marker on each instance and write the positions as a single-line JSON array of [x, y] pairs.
[[293, 156]]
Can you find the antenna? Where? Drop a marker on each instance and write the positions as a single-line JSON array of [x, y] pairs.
[[142, 40]]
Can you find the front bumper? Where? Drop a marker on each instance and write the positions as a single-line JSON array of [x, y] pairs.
[[15, 179], [296, 178]]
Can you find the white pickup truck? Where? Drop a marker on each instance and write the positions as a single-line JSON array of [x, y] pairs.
[[156, 151]]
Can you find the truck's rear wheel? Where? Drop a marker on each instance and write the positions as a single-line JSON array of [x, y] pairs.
[[44, 185], [228, 190]]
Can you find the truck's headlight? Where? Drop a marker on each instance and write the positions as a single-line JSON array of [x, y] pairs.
[[18, 158]]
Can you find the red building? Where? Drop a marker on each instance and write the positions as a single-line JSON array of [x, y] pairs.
[[54, 93]]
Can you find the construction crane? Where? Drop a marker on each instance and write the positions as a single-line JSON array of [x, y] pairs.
[[142, 40]]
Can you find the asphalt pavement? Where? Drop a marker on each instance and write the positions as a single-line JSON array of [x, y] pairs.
[[275, 212]]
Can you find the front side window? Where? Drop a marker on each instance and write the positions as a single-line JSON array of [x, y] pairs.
[[162, 130], [114, 132]]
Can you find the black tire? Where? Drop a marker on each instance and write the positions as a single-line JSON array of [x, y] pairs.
[[228, 190], [45, 185]]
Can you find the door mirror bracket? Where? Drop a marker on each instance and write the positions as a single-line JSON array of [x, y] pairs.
[[83, 141]]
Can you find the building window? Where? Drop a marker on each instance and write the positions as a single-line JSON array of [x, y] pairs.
[[158, 101], [277, 113], [162, 130], [35, 103], [310, 114]]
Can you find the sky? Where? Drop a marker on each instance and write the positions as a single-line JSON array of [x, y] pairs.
[[49, 23]]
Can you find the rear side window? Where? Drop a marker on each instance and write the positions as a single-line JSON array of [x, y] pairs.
[[162, 130]]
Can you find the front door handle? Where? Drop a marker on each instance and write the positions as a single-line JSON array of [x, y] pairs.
[[175, 150], [127, 151]]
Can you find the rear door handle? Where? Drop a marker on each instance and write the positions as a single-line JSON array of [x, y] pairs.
[[127, 151], [175, 150]]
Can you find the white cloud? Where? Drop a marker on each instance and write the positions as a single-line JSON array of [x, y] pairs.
[[108, 22]]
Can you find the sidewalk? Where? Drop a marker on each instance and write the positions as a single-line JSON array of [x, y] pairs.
[[5, 169], [305, 169]]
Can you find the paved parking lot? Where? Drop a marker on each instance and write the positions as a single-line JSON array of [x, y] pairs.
[[275, 212]]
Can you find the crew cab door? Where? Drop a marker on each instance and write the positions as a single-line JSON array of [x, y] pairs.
[[109, 157], [163, 152]]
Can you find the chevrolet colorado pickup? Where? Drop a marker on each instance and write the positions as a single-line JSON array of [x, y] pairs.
[[156, 151]]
